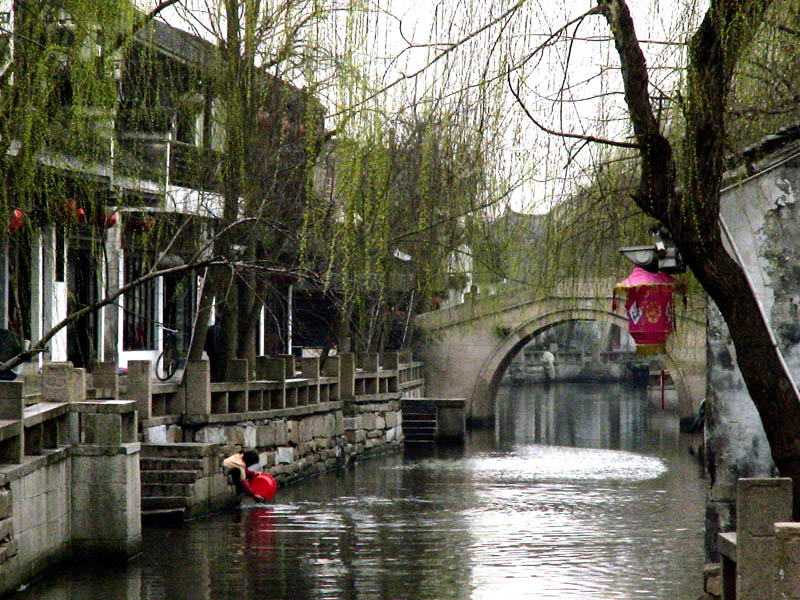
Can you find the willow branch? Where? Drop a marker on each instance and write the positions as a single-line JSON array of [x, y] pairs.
[[564, 134]]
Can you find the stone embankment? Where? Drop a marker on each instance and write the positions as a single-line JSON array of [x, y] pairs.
[[79, 465]]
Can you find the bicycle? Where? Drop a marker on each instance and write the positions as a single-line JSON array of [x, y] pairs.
[[167, 361]]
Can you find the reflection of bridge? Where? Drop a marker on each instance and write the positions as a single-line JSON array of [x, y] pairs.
[[469, 346]]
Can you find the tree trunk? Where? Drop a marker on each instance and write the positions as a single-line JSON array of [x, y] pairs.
[[693, 216]]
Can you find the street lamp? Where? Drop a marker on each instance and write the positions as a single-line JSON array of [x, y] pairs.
[[661, 256]]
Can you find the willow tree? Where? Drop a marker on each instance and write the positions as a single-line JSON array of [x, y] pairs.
[[263, 77], [691, 213], [679, 175], [674, 128], [389, 222], [58, 97]]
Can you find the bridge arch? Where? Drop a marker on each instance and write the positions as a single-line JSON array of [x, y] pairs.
[[468, 347], [491, 373]]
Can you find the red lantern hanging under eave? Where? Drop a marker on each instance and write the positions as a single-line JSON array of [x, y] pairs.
[[650, 308]]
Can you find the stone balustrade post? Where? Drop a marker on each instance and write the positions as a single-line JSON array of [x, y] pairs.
[[347, 376], [78, 385], [309, 368], [391, 361], [140, 387], [57, 381], [787, 561], [273, 369], [760, 503], [288, 364], [105, 492], [406, 357], [237, 370], [12, 408], [197, 380], [369, 361], [78, 395], [106, 380], [331, 369]]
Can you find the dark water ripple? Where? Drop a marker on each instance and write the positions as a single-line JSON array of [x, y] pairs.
[[616, 514]]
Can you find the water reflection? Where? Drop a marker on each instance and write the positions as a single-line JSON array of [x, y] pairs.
[[581, 493]]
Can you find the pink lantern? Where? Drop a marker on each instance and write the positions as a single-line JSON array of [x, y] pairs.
[[650, 308]]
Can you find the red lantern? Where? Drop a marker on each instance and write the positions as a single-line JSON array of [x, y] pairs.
[[17, 220], [107, 220], [650, 308], [70, 212]]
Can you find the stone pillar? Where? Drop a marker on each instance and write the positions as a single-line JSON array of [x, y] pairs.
[[760, 504], [105, 380], [391, 361], [106, 496], [288, 364], [57, 382], [197, 379], [12, 408], [309, 368], [347, 376], [787, 561], [140, 387], [331, 369]]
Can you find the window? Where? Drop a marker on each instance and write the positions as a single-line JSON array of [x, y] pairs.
[[140, 309]]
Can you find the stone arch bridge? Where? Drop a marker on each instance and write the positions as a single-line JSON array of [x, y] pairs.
[[468, 347]]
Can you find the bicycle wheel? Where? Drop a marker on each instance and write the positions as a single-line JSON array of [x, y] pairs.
[[165, 367]]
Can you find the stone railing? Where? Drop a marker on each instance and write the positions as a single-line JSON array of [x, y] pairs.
[[274, 384], [759, 559], [68, 476]]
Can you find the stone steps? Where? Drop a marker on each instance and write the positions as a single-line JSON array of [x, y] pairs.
[[178, 450], [167, 490], [419, 425], [163, 502], [158, 476], [173, 464], [169, 473]]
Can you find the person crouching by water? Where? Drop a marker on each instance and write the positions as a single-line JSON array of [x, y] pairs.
[[238, 473]]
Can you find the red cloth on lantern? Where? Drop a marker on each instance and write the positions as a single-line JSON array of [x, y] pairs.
[[650, 308]]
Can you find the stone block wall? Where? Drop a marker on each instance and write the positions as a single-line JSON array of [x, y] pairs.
[[106, 501], [34, 517], [762, 214], [373, 427], [290, 447]]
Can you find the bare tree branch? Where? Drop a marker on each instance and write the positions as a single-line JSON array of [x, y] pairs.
[[563, 134]]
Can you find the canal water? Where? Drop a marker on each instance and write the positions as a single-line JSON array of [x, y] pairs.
[[580, 492]]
